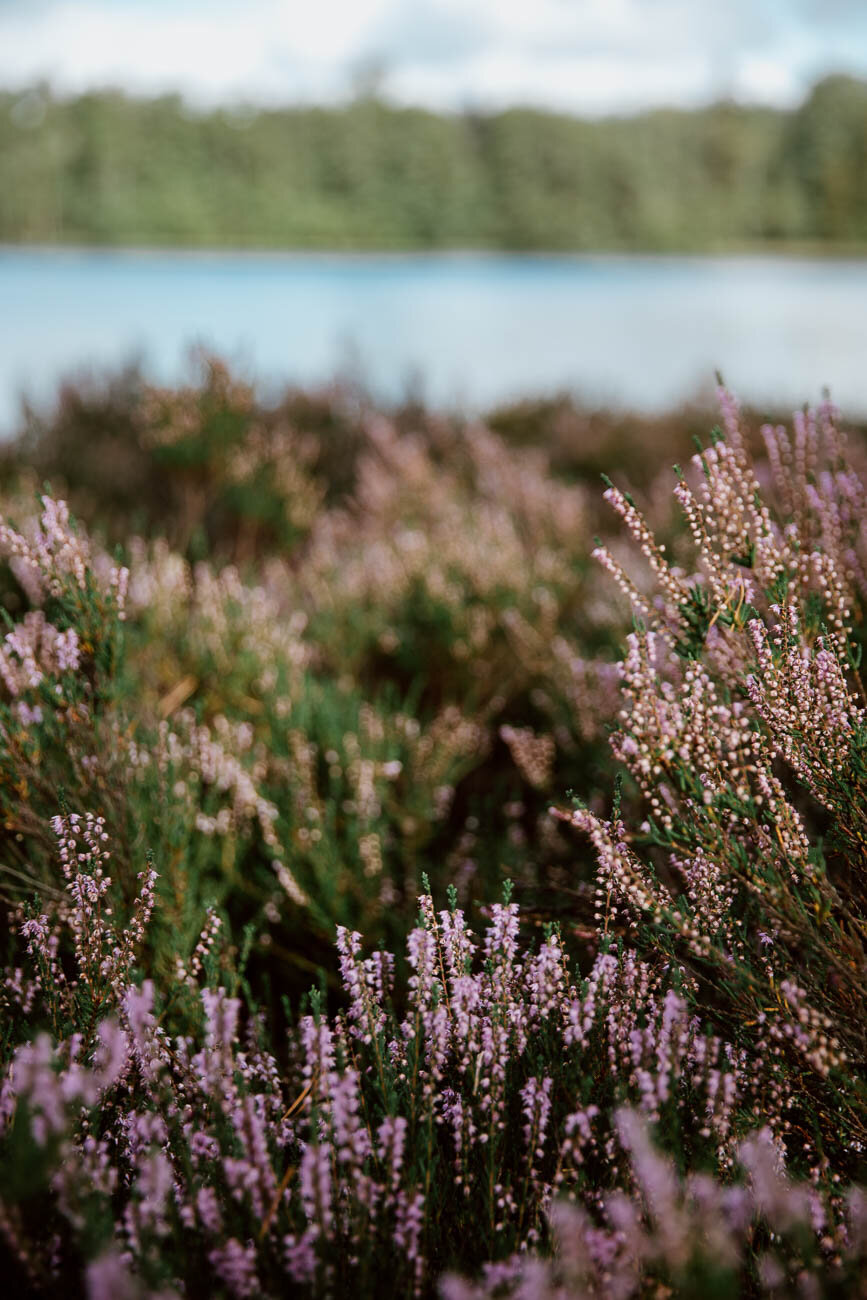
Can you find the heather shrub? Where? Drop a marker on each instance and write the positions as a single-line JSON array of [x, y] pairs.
[[152, 1138], [638, 1073], [743, 727], [308, 728], [203, 464], [58, 665]]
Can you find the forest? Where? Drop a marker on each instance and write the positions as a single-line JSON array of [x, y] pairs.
[[108, 169]]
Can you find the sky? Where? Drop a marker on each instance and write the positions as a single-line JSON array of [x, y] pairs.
[[591, 57]]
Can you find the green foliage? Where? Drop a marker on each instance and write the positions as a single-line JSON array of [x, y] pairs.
[[106, 169]]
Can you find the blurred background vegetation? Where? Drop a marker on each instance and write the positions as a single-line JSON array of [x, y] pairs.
[[382, 625], [105, 168]]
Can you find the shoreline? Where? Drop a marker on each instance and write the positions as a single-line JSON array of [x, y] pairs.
[[856, 253]]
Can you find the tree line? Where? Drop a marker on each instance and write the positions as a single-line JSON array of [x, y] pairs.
[[105, 168]]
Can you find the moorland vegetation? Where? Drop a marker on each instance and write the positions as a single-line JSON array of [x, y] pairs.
[[424, 871]]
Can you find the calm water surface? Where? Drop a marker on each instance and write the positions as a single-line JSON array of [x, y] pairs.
[[473, 329]]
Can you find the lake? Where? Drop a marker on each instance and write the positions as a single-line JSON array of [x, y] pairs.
[[466, 330]]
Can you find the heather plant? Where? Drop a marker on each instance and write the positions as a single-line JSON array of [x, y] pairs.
[[233, 473], [208, 722], [204, 463], [691, 1237], [157, 1146], [646, 1082], [58, 667], [743, 727], [347, 791], [69, 725], [426, 634]]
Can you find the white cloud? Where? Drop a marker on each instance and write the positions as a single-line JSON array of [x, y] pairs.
[[591, 56], [261, 50]]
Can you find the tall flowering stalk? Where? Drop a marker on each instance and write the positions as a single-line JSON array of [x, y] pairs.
[[337, 1170], [391, 1147], [743, 726]]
